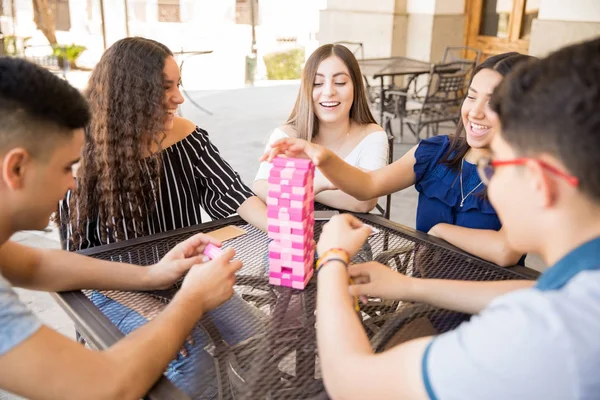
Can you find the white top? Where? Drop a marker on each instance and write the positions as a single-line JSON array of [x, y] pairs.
[[370, 154]]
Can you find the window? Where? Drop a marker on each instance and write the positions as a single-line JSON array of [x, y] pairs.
[[243, 12], [499, 26], [169, 11]]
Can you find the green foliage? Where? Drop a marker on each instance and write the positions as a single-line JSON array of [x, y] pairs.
[[14, 45], [285, 64], [70, 52]]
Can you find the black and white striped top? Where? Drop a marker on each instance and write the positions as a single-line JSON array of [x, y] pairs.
[[194, 175]]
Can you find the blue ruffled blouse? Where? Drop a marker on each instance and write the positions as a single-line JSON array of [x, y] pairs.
[[439, 191]]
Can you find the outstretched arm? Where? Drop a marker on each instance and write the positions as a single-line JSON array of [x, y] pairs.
[[129, 368], [57, 270], [484, 243], [357, 183]]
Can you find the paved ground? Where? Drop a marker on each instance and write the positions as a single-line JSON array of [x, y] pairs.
[[241, 122]]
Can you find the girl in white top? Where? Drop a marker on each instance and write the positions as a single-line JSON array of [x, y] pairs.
[[332, 110]]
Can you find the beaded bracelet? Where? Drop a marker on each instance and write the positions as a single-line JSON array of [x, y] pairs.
[[341, 253], [322, 263], [324, 260]]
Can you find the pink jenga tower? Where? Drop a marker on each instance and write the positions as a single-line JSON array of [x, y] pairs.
[[290, 213]]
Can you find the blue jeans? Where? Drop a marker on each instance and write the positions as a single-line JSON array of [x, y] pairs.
[[194, 374]]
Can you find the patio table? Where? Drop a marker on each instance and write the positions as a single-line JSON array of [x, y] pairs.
[[280, 361]]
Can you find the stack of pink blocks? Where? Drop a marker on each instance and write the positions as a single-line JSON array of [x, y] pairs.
[[290, 213]]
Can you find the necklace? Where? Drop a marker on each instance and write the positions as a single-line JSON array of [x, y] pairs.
[[463, 197]]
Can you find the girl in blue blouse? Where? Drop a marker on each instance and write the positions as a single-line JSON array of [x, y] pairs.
[[452, 203]]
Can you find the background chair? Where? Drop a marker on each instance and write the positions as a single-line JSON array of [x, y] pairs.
[[438, 101]]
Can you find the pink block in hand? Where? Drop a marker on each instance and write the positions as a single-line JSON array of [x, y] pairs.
[[212, 251]]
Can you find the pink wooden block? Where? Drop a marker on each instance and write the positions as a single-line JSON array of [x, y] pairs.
[[284, 202], [296, 252], [299, 232], [296, 182], [297, 267], [273, 221], [306, 190], [275, 281], [277, 215], [294, 217], [302, 285], [289, 172], [299, 204], [291, 196], [298, 163], [300, 189], [274, 264], [274, 246], [272, 201], [288, 276], [212, 251], [286, 244]]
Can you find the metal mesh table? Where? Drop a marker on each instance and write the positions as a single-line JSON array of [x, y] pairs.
[[280, 361]]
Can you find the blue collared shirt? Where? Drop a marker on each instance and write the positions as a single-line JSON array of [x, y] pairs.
[[539, 343]]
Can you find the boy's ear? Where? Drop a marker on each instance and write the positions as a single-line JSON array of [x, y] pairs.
[[544, 186], [13, 167]]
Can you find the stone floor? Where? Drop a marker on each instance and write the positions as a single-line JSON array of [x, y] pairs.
[[240, 125]]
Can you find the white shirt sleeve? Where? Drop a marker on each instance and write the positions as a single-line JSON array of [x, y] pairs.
[[371, 153], [265, 167]]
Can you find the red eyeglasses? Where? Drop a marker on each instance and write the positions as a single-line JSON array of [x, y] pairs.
[[486, 168]]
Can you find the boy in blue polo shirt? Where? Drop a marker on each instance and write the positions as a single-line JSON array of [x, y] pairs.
[[527, 340]]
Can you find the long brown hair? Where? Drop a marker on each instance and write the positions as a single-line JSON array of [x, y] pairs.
[[126, 97], [501, 63], [303, 117]]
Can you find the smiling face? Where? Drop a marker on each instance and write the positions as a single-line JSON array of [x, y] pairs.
[[173, 97], [333, 91], [475, 111]]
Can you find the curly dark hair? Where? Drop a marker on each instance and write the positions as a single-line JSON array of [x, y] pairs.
[[551, 106], [503, 64], [126, 96], [37, 107]]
